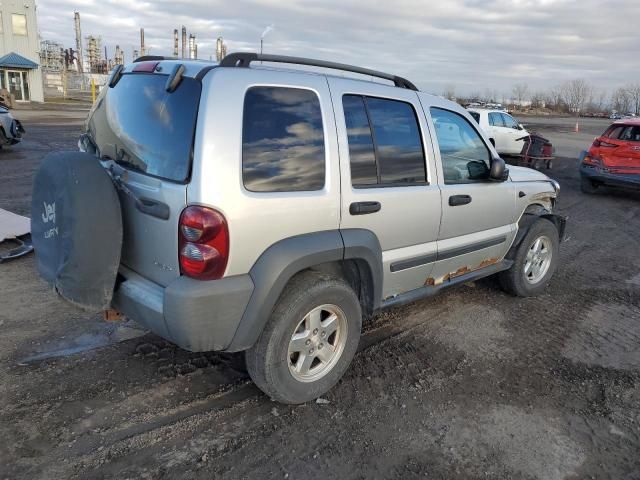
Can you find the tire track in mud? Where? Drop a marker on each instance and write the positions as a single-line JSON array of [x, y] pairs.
[[405, 347]]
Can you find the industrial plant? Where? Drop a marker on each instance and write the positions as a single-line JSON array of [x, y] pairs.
[[89, 59]]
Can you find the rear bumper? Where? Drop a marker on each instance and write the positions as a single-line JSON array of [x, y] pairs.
[[616, 179], [195, 315]]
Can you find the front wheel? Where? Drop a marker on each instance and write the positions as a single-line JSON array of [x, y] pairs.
[[535, 261], [309, 340]]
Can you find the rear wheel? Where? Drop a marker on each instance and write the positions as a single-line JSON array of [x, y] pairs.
[[309, 340], [535, 261], [587, 185]]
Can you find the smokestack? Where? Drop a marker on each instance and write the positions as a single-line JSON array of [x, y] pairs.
[[175, 43], [142, 50], [76, 16], [184, 42], [219, 49], [192, 46], [119, 56]]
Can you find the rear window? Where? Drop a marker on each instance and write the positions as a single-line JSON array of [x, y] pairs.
[[282, 140], [144, 128]]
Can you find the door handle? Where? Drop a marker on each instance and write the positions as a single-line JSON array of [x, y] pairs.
[[363, 208], [456, 200]]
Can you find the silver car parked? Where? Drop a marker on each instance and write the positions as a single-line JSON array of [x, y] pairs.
[[11, 130], [247, 207]]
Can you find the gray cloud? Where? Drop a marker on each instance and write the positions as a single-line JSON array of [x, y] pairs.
[[474, 45]]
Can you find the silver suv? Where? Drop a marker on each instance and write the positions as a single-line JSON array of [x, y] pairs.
[[243, 206]]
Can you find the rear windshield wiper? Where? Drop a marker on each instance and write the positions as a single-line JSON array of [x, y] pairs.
[[149, 206]]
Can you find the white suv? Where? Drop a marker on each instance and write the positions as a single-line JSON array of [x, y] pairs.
[[503, 130]]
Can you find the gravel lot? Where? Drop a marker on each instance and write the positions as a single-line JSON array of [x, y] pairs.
[[470, 384]]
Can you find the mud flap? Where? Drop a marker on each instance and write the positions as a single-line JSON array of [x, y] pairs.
[[76, 228]]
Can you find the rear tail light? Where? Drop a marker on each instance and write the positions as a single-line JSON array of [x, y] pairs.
[[592, 160], [203, 243], [602, 143]]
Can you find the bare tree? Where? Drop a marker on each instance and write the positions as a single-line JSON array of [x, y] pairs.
[[621, 100], [538, 100], [575, 94], [491, 95], [597, 99], [520, 92], [554, 98], [633, 92]]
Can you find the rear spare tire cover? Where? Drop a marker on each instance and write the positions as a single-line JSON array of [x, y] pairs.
[[76, 227]]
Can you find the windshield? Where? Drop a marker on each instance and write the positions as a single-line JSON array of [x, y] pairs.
[[141, 126]]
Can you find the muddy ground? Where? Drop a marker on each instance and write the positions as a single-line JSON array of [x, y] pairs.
[[471, 384]]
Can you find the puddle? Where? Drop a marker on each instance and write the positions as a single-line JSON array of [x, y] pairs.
[[112, 334]]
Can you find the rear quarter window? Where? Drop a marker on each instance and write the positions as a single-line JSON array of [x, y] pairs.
[[282, 140], [140, 125]]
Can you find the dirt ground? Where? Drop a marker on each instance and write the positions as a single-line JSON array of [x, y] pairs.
[[471, 384]]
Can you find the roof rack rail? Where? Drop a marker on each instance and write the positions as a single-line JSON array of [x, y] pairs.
[[148, 58], [243, 59]]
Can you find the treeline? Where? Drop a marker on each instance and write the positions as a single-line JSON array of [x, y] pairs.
[[573, 96]]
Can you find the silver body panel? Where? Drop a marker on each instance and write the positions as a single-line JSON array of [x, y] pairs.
[[408, 223], [257, 220]]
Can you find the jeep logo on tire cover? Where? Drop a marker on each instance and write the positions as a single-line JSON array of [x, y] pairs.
[[49, 215], [49, 212]]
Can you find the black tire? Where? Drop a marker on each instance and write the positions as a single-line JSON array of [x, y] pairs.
[[587, 185], [268, 360], [514, 280]]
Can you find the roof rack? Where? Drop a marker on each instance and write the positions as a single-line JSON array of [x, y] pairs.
[[243, 59]]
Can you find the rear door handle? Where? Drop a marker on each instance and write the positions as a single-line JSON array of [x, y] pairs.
[[364, 208], [456, 200]]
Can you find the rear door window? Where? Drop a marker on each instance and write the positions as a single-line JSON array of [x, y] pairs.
[[495, 119], [362, 156], [282, 140], [630, 134], [385, 143], [141, 126]]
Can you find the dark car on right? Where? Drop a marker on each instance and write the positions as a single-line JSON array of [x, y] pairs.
[[614, 158]]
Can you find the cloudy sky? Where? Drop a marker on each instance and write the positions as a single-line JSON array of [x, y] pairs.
[[473, 45]]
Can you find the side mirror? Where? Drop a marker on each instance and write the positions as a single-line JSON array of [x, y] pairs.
[[520, 126], [498, 171]]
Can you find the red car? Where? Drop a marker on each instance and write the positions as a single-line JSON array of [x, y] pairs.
[[614, 157]]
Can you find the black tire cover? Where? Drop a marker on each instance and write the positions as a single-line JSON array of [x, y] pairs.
[[76, 227]]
